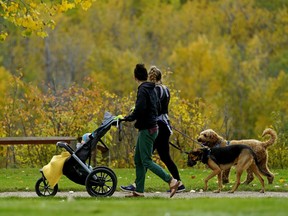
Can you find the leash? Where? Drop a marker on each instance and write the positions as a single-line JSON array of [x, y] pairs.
[[185, 135], [177, 147]]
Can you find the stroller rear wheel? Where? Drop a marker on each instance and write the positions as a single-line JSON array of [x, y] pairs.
[[42, 188], [101, 182]]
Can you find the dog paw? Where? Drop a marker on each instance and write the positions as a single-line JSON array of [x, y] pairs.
[[262, 191], [270, 180], [216, 191], [230, 191]]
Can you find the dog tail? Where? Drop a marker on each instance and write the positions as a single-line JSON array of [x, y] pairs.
[[273, 137], [258, 164]]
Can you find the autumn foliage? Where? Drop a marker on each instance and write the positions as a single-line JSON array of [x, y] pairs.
[[73, 112], [224, 61], [36, 16]]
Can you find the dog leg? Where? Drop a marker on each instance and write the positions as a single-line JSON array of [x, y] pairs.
[[244, 162], [257, 173], [250, 176], [215, 171], [219, 183], [264, 167], [270, 179], [237, 182], [225, 177]]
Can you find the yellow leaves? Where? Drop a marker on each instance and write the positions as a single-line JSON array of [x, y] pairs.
[[3, 35], [33, 5], [199, 64], [64, 6], [42, 34], [86, 4], [36, 17], [185, 116], [25, 17], [30, 22], [11, 8], [51, 24]]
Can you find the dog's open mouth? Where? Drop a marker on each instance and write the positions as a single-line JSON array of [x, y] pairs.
[[204, 143]]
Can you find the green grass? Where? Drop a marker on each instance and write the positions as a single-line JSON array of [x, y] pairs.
[[143, 206], [25, 179]]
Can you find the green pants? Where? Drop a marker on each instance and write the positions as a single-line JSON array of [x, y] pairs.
[[143, 159]]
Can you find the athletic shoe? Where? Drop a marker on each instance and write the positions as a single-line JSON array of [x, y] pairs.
[[129, 188], [180, 189]]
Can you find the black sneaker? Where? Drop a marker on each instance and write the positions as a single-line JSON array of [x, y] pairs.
[[180, 189], [129, 188]]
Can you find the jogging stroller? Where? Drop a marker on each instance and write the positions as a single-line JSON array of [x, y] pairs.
[[100, 181]]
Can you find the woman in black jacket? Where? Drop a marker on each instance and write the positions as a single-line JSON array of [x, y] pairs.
[[161, 143], [145, 114]]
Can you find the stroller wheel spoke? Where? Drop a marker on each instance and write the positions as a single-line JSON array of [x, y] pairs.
[[43, 189], [101, 181]]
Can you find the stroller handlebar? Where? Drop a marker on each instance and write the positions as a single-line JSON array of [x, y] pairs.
[[65, 145]]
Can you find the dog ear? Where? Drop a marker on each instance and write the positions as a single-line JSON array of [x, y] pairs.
[[213, 136], [197, 151]]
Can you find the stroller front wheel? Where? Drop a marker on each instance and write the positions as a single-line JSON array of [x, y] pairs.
[[42, 188], [101, 182]]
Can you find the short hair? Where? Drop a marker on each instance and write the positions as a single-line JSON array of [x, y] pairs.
[[140, 72]]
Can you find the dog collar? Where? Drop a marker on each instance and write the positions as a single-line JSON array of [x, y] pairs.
[[205, 157], [218, 144]]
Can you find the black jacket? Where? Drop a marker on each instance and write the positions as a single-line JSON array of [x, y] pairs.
[[145, 112]]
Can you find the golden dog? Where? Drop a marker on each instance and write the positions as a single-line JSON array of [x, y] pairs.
[[211, 139], [222, 158]]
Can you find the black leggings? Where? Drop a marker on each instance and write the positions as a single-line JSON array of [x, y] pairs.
[[161, 144]]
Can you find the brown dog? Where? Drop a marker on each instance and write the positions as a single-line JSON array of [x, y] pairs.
[[211, 139], [222, 158]]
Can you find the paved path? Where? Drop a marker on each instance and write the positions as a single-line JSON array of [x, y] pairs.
[[187, 195]]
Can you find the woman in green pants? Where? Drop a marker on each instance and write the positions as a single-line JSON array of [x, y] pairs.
[[145, 114]]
